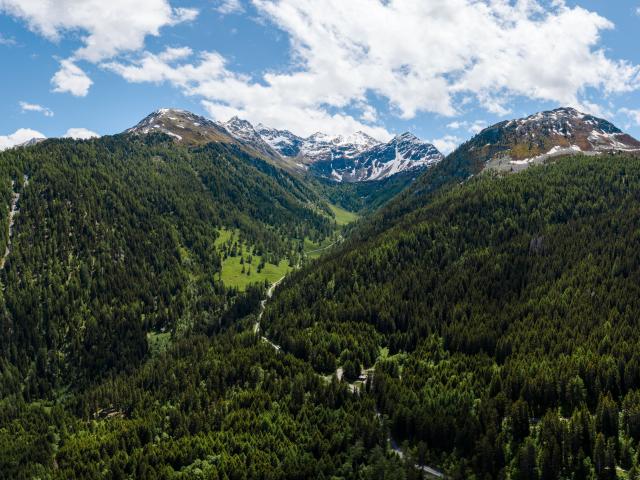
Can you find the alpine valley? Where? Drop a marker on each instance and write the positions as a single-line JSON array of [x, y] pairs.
[[218, 300]]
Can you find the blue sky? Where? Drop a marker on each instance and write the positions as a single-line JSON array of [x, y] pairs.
[[440, 68]]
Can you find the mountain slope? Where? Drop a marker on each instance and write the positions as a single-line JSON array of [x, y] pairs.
[[355, 158], [282, 141], [565, 131], [499, 306], [509, 147], [115, 239], [403, 153], [184, 126]]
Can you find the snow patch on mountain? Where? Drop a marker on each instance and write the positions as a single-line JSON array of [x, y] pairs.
[[349, 158], [353, 158]]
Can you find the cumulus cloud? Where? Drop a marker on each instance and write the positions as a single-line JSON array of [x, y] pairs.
[[34, 107], [226, 94], [19, 137], [111, 27], [71, 79], [229, 6], [419, 56], [447, 144], [107, 28], [80, 134]]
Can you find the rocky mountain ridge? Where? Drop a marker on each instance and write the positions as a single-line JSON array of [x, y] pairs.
[[354, 158]]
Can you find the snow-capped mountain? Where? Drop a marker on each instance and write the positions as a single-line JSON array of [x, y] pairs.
[[568, 127], [282, 141], [403, 153], [247, 134], [516, 144], [31, 142], [317, 147], [353, 158], [320, 147]]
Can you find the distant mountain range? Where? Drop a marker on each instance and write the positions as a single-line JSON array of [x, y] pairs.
[[510, 145], [506, 146], [355, 158]]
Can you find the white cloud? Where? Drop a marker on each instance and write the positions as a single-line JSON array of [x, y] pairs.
[[472, 127], [226, 94], [447, 144], [227, 7], [107, 28], [369, 113], [633, 115], [420, 56], [19, 137], [112, 26], [80, 134], [34, 107], [71, 79], [173, 54]]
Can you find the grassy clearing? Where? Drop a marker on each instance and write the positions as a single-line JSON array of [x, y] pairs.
[[343, 217], [238, 273], [232, 275]]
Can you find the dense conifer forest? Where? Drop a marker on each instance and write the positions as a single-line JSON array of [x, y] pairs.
[[486, 328], [507, 308], [115, 238]]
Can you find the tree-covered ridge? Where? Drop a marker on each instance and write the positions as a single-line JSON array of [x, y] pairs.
[[116, 237], [223, 407], [514, 298]]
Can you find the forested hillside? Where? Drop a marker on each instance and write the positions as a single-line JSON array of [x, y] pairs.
[[508, 307], [222, 407], [493, 320], [115, 238], [123, 356]]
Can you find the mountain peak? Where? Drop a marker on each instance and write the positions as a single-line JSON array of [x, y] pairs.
[[361, 138], [514, 145], [239, 126], [319, 136], [354, 157], [183, 126], [406, 136], [244, 131], [235, 120]]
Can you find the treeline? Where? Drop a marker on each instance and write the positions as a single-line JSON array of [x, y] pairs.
[[508, 295]]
